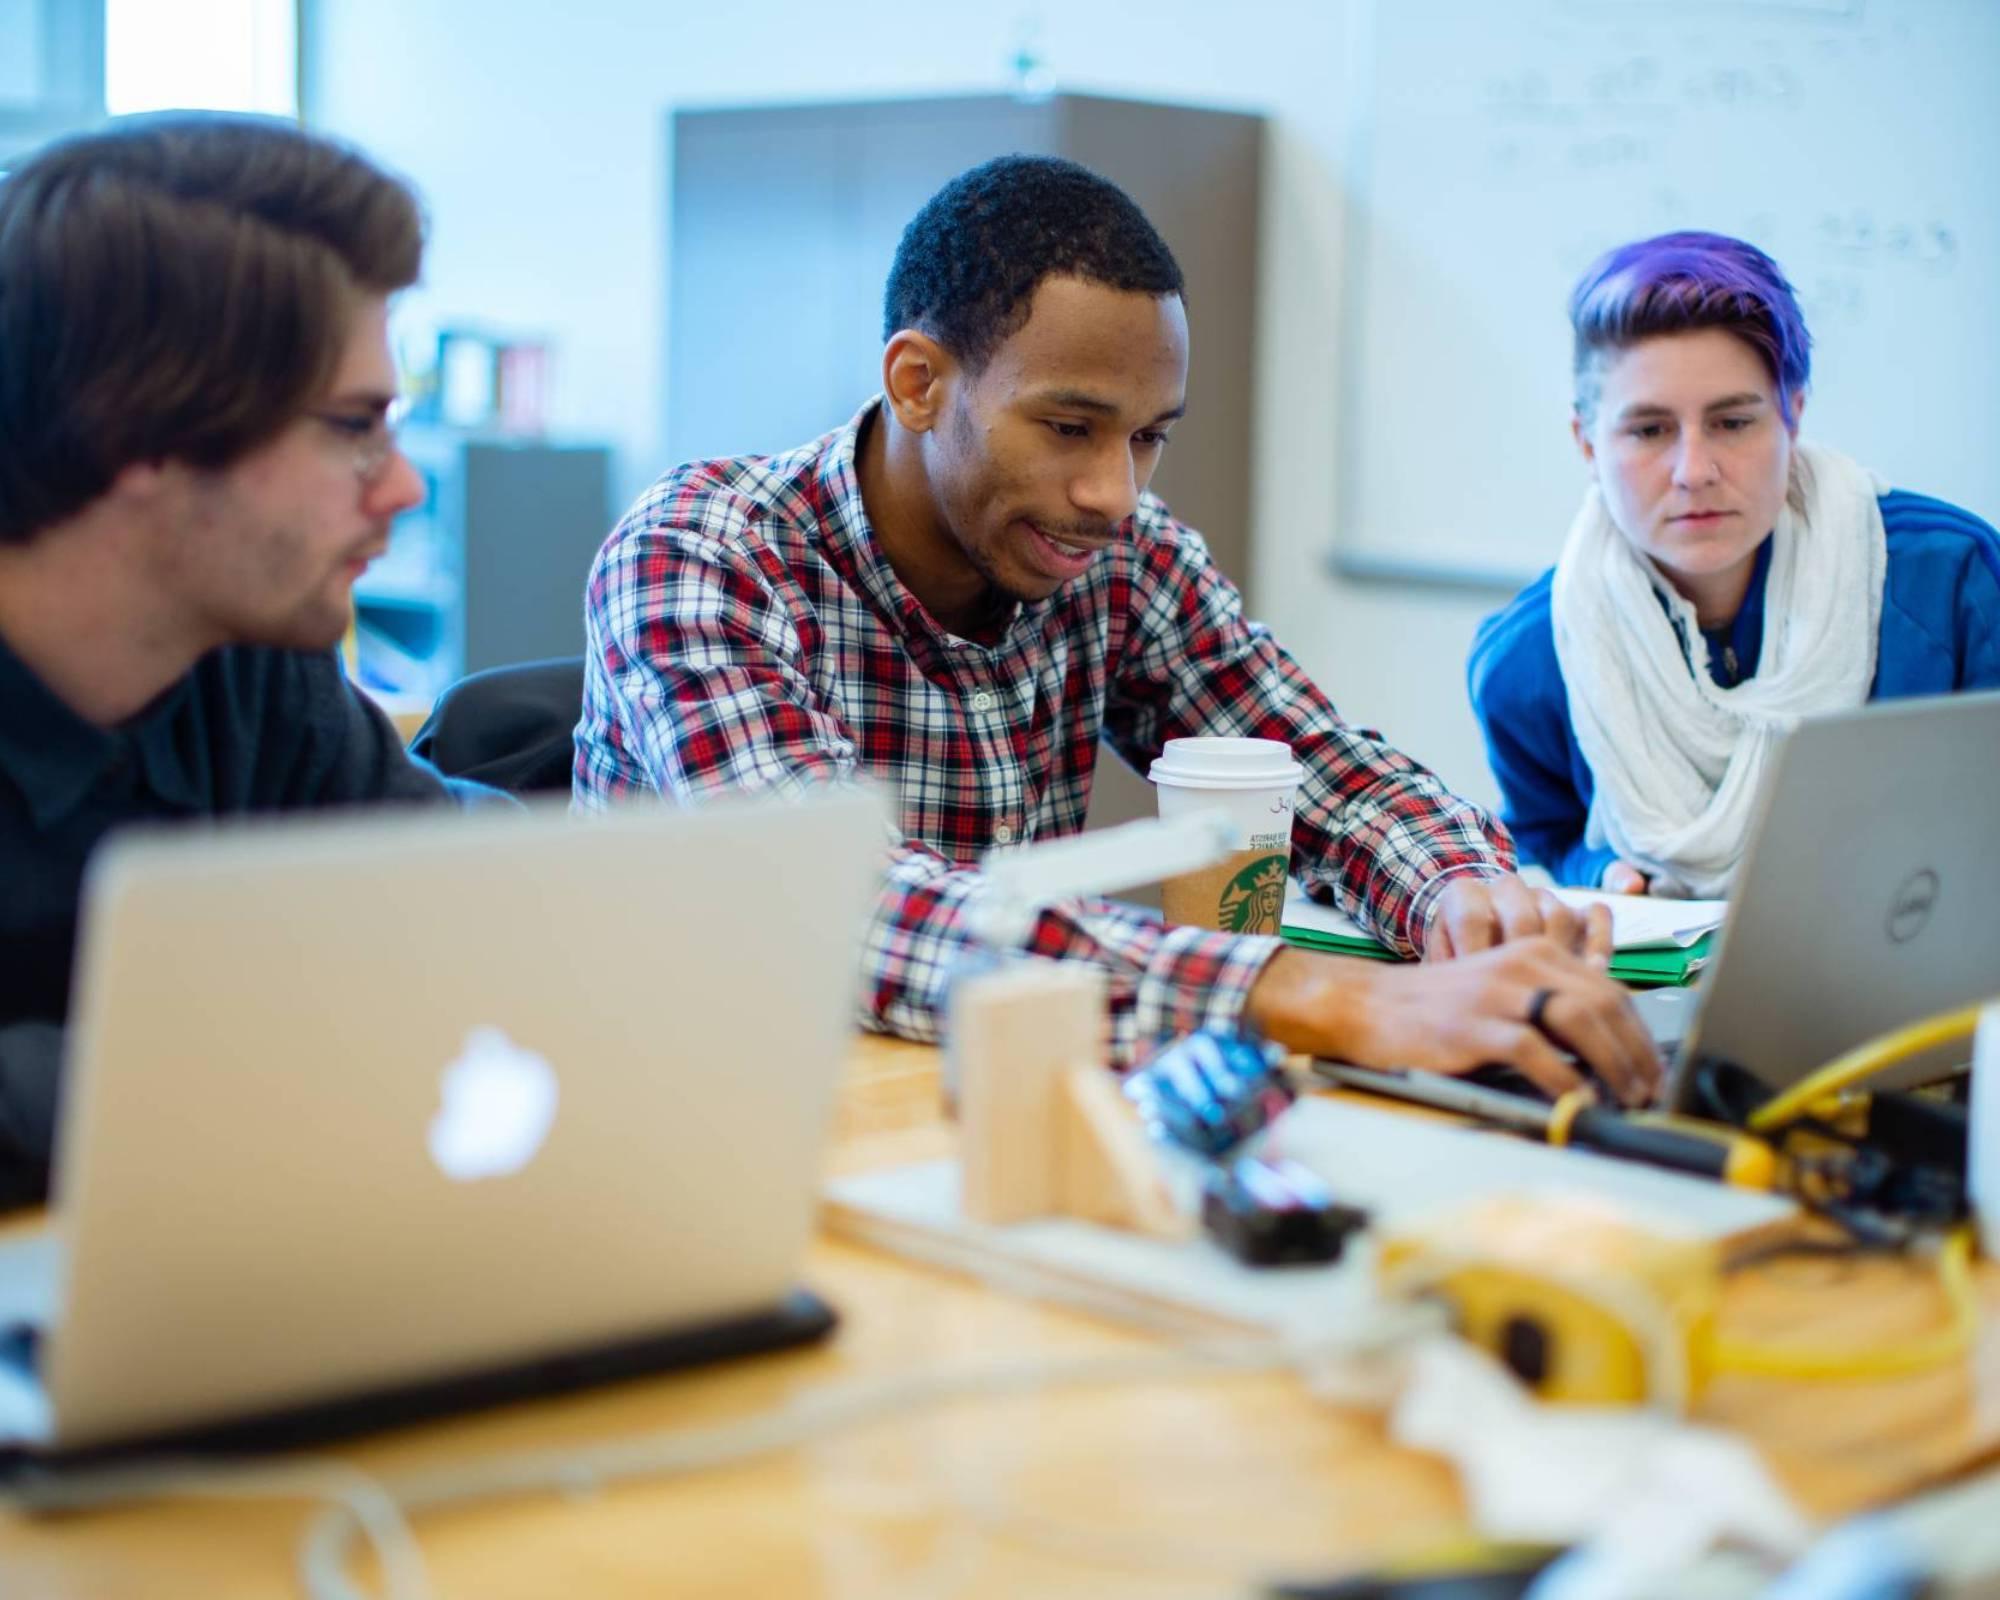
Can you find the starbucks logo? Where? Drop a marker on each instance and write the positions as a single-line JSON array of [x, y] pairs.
[[1254, 900]]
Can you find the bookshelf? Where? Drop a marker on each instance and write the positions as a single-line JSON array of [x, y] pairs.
[[489, 569]]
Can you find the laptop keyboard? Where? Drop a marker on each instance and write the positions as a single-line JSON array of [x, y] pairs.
[[1666, 1014], [30, 1272], [1508, 1081], [21, 1349]]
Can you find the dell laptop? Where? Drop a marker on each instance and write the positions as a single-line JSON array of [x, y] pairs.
[[369, 1118], [1868, 898]]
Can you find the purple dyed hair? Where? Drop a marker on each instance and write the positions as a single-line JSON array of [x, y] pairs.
[[1677, 283]]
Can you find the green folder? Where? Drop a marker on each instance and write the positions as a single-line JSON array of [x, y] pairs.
[[1642, 969]]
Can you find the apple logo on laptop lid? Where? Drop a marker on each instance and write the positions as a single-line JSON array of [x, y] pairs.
[[497, 1104]]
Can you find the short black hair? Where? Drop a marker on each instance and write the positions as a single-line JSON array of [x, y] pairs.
[[969, 262]]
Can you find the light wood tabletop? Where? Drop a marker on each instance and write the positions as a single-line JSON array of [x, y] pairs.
[[1195, 1486]]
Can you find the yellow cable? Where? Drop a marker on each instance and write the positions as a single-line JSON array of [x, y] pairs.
[[1863, 1061], [1948, 1344]]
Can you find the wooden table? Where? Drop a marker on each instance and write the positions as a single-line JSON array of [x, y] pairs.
[[1192, 1488]]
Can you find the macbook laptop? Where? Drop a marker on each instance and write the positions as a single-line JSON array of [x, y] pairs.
[[1869, 897], [371, 1118]]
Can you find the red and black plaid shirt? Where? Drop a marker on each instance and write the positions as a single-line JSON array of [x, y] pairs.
[[746, 632]]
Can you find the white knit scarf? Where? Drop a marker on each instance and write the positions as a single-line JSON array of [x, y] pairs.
[[1677, 761]]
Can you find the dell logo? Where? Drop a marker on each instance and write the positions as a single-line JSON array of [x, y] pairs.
[[1911, 910]]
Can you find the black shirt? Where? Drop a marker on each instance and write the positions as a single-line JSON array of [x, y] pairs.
[[246, 730]]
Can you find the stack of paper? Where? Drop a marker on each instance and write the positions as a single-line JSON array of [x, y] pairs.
[[1653, 941]]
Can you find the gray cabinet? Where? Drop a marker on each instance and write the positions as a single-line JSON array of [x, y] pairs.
[[785, 219], [490, 568]]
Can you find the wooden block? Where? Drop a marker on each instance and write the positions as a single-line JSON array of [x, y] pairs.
[[1110, 1170], [1044, 1130], [1015, 1033]]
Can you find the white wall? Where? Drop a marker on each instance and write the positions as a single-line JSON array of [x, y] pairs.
[[538, 139]]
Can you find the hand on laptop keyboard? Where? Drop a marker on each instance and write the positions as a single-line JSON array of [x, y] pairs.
[[1529, 1005]]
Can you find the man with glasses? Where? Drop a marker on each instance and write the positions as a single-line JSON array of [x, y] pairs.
[[196, 463]]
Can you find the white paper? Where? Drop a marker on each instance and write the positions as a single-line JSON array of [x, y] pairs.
[[1643, 1493], [1645, 922], [1638, 922]]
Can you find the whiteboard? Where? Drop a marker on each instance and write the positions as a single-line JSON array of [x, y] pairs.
[[1499, 148]]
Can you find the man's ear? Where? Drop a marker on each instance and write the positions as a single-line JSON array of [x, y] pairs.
[[1581, 435], [917, 374]]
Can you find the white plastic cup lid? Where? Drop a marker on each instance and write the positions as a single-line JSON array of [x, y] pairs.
[[1224, 763]]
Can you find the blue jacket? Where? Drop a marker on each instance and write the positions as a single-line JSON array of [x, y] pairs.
[[1940, 632]]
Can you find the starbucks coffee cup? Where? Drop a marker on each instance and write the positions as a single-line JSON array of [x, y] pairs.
[[1255, 782]]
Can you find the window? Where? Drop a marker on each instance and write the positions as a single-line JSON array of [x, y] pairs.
[[65, 64], [51, 70], [209, 55]]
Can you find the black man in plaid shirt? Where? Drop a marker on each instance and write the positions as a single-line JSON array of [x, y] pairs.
[[959, 592]]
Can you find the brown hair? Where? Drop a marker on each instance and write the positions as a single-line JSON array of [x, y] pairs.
[[178, 287]]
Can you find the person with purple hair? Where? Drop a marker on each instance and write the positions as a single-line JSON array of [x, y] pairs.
[[1722, 580]]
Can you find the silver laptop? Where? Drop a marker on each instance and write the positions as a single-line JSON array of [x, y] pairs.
[[1869, 895], [370, 1118]]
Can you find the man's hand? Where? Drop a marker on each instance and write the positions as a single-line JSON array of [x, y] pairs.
[[1475, 914], [1521, 1005]]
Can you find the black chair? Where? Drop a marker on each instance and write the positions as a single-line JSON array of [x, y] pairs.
[[508, 727]]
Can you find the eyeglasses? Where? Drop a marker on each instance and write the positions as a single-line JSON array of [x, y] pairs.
[[370, 436]]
